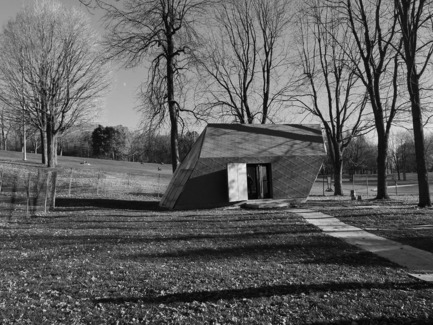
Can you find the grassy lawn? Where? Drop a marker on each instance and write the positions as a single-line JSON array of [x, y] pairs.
[[402, 222], [96, 178], [115, 258], [95, 264], [67, 162]]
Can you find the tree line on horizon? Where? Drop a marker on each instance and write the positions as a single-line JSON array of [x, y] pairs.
[[356, 66], [119, 143], [102, 142]]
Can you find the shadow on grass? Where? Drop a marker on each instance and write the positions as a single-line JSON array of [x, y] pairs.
[[424, 242], [48, 240], [306, 252], [304, 249], [263, 292], [108, 204], [382, 321]]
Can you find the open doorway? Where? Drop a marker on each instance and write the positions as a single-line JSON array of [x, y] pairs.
[[259, 181]]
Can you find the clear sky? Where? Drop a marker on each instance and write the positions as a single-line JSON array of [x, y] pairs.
[[121, 101]]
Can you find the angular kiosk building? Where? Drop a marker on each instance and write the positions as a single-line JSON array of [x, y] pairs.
[[230, 163]]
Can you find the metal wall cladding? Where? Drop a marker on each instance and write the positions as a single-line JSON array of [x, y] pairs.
[[292, 178], [236, 140], [294, 151]]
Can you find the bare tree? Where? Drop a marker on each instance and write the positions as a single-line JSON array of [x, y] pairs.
[[51, 66], [401, 148], [6, 127], [162, 31], [374, 28], [360, 156], [328, 86], [416, 21], [243, 65]]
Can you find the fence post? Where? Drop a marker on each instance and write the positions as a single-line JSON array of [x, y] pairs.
[[159, 186], [28, 196], [396, 191], [97, 183], [367, 185], [13, 198], [47, 183], [53, 189], [37, 189], [1, 179], [323, 184], [70, 182]]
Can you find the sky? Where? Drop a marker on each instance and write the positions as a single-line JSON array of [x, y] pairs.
[[119, 106]]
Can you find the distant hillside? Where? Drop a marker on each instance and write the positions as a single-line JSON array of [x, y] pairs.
[[90, 163]]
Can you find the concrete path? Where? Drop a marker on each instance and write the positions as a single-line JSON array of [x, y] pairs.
[[419, 263], [267, 204]]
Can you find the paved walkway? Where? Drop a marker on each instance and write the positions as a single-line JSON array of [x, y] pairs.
[[419, 263]]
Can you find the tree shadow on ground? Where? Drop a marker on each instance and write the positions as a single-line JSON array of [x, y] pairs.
[[108, 204], [306, 252], [89, 241], [381, 321], [263, 292], [421, 242]]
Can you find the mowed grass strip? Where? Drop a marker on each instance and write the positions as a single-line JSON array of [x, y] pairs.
[[404, 223], [86, 265]]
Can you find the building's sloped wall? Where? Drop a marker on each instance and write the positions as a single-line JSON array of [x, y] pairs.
[[181, 175], [292, 177]]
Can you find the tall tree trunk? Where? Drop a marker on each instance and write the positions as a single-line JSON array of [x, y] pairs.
[[3, 139], [397, 168], [382, 154], [44, 146], [338, 176], [56, 144], [418, 132], [336, 154], [51, 141], [414, 17], [24, 147], [174, 133]]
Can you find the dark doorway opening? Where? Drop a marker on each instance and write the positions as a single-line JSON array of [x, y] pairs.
[[259, 181]]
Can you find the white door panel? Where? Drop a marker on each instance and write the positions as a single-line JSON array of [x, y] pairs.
[[237, 182]]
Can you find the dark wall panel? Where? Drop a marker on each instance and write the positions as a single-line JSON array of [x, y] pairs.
[[205, 191], [292, 178]]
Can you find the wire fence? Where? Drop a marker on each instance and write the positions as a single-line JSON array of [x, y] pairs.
[[100, 183], [27, 190], [364, 186]]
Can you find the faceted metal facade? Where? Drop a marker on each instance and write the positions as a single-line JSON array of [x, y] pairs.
[[294, 152], [291, 177]]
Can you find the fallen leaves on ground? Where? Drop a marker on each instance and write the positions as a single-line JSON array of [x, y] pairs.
[[88, 265]]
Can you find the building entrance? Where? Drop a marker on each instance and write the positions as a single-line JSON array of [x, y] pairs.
[[259, 181]]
